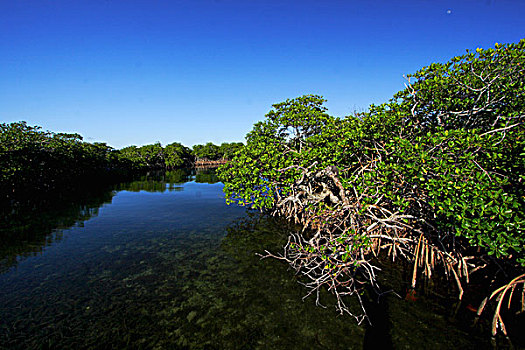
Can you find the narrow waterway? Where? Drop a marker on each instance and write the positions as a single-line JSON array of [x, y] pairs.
[[164, 263]]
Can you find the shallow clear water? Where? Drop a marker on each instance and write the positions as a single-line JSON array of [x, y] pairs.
[[164, 263]]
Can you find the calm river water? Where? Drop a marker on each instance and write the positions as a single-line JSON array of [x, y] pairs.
[[163, 263]]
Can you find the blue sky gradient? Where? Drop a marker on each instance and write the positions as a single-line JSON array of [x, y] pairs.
[[136, 72]]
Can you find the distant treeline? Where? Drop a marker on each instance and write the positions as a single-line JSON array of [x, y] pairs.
[[176, 155], [36, 161]]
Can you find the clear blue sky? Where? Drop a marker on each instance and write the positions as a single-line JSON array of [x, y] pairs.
[[140, 71]]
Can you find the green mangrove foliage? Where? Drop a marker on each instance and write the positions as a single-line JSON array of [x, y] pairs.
[[210, 151], [176, 155], [154, 156], [434, 176], [228, 150], [35, 160]]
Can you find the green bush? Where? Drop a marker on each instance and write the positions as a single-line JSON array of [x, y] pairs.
[[448, 150]]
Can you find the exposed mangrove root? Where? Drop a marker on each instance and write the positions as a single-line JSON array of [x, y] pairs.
[[505, 291], [327, 262], [338, 241], [425, 258]]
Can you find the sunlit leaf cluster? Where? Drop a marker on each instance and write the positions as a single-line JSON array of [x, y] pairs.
[[436, 171], [448, 149]]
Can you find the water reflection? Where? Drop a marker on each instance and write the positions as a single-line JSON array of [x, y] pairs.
[[26, 231], [161, 269], [157, 181], [169, 180], [114, 283], [206, 175]]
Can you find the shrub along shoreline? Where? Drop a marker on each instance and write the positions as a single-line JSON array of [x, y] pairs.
[[434, 177], [36, 163]]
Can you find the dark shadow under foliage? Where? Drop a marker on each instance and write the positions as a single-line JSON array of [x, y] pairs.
[[26, 230]]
